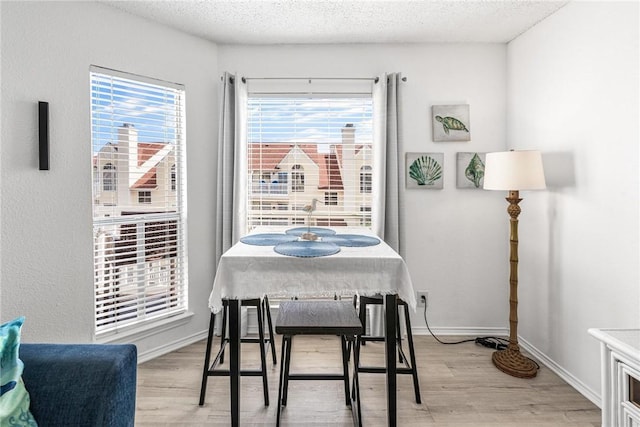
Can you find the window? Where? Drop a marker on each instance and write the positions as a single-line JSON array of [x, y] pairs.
[[109, 177], [322, 140], [144, 196], [365, 179], [139, 253], [365, 216], [331, 198], [297, 179]]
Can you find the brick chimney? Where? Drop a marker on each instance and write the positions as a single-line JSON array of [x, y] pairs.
[[350, 176], [128, 161]]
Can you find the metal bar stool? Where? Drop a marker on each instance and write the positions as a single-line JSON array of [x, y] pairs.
[[319, 318], [409, 365], [211, 368], [264, 306]]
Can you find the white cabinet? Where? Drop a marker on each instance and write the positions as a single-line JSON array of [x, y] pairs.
[[620, 373]]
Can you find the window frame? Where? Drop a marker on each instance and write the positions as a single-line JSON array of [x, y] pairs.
[[297, 179], [109, 177], [366, 179], [160, 242]]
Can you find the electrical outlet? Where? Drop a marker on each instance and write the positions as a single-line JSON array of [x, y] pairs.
[[420, 296]]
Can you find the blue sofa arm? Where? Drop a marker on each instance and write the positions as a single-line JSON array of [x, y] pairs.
[[81, 384]]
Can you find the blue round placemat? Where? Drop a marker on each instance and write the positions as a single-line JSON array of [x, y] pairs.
[[306, 249], [267, 239], [299, 231], [352, 240]]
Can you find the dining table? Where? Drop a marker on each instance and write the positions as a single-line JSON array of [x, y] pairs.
[[250, 270]]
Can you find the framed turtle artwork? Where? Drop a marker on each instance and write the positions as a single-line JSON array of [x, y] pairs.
[[425, 171], [470, 170], [450, 123]]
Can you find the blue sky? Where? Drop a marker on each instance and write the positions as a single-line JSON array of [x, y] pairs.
[[152, 111], [115, 101], [308, 120]]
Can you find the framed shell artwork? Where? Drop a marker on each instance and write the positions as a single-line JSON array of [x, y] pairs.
[[450, 123], [425, 170], [470, 170]]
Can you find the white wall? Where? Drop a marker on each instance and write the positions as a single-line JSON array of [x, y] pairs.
[[456, 240], [573, 93], [47, 48], [569, 87]]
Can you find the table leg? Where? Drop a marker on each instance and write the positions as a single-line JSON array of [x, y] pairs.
[[234, 359], [391, 316]]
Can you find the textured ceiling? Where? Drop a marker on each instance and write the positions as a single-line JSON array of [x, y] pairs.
[[346, 21]]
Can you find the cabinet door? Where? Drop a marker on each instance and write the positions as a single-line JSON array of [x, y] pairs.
[[628, 387], [630, 418]]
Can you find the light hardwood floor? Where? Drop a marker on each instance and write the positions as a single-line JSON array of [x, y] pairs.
[[459, 384]]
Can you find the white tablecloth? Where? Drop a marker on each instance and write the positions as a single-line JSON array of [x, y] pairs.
[[249, 271]]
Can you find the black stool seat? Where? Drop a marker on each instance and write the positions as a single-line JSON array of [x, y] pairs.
[[319, 318], [409, 367], [212, 368]]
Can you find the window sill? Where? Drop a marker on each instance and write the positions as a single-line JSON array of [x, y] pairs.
[[138, 332]]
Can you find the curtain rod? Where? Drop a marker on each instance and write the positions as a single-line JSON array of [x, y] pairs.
[[375, 79]]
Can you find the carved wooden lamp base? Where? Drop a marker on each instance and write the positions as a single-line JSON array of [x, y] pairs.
[[512, 362]]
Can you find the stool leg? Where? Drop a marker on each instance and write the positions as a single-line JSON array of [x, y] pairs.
[[263, 356], [345, 370], [354, 301], [207, 359], [272, 340], [362, 313], [355, 392], [412, 355], [285, 386], [283, 360], [399, 336], [223, 331]]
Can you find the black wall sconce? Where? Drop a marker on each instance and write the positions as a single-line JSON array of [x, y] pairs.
[[43, 130]]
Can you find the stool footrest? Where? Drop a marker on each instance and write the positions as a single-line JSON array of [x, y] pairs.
[[379, 370], [225, 373], [331, 377], [371, 338]]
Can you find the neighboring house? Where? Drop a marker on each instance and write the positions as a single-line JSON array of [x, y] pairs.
[[285, 177], [133, 176], [131, 179]]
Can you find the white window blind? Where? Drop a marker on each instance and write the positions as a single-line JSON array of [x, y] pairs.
[[309, 146], [139, 211]]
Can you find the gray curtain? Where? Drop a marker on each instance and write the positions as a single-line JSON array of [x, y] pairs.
[[388, 142], [231, 188], [230, 218], [389, 201]]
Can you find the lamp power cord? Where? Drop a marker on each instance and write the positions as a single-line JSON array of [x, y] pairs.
[[496, 343]]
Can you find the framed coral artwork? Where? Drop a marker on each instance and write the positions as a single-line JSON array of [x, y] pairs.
[[450, 123], [470, 170], [425, 170]]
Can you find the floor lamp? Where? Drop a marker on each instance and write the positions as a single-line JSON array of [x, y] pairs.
[[513, 171]]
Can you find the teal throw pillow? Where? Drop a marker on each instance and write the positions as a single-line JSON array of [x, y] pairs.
[[14, 398]]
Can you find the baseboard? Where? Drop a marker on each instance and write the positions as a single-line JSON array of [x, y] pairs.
[[172, 346], [569, 378], [460, 331]]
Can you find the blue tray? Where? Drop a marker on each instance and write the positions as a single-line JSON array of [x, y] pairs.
[[299, 231], [267, 239], [306, 249], [352, 240]]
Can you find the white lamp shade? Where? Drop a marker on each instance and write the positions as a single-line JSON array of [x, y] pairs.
[[514, 170]]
